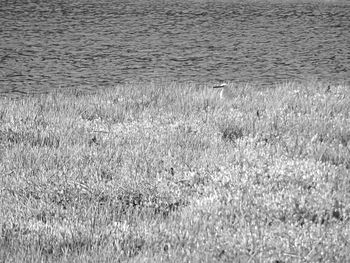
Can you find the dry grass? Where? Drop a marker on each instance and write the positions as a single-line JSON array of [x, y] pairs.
[[165, 172]]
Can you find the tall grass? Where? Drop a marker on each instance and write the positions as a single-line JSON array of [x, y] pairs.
[[168, 172]]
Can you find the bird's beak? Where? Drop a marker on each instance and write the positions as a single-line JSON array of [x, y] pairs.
[[220, 86]]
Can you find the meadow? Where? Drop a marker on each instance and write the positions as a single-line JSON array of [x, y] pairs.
[[169, 172]]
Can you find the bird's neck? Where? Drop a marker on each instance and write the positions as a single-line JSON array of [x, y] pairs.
[[222, 94]]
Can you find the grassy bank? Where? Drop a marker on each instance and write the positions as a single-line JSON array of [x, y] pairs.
[[168, 172]]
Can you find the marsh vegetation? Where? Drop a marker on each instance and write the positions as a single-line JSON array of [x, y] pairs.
[[168, 172]]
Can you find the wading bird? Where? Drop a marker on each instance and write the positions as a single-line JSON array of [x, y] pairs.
[[226, 92]]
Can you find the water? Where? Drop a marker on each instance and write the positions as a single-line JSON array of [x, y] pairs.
[[55, 44]]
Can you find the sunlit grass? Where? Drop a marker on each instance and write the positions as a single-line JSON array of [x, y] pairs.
[[168, 172]]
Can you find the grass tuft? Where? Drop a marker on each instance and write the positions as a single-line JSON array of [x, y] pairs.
[[231, 133]]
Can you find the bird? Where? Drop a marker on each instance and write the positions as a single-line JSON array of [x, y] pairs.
[[226, 92]]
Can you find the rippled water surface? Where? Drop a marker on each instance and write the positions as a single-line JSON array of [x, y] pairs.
[[88, 43]]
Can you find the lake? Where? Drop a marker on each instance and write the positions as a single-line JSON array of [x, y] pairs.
[[54, 44]]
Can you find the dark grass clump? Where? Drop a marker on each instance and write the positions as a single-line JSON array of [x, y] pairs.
[[231, 133]]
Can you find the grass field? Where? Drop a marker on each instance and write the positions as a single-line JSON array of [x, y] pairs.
[[168, 172]]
